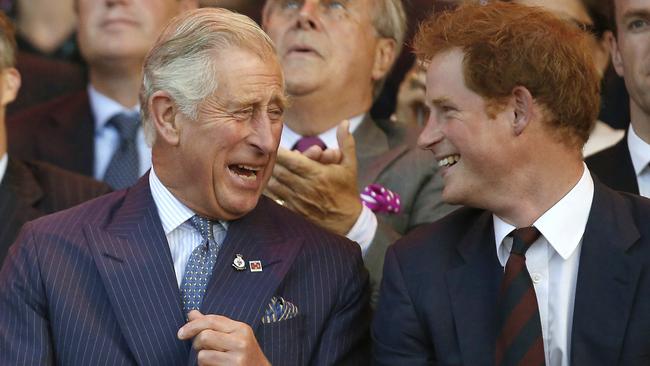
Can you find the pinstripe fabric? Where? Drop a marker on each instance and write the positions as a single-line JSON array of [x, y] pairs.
[[96, 285], [30, 190]]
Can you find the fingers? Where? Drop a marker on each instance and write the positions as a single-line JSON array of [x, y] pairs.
[[346, 144], [295, 162], [199, 322]]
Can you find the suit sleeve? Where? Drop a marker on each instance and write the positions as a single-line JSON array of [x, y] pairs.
[[24, 330], [397, 335], [346, 338]]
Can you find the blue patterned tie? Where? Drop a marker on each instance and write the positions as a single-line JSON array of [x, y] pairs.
[[124, 167], [199, 266]]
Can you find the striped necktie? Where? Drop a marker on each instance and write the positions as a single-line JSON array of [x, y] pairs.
[[520, 339]]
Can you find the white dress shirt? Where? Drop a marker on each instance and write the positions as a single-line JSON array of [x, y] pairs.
[[181, 235], [363, 230], [3, 166], [552, 261], [640, 154], [107, 139]]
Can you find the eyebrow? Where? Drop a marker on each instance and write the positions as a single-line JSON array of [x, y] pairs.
[[636, 13], [439, 101]]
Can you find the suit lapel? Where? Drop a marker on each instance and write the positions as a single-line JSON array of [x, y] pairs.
[[374, 152], [73, 121], [473, 289], [243, 295], [607, 281], [133, 259]]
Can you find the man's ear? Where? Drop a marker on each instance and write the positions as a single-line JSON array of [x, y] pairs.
[[10, 85], [384, 57], [617, 60], [163, 113], [523, 109]]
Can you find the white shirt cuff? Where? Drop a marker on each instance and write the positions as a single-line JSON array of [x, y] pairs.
[[363, 231]]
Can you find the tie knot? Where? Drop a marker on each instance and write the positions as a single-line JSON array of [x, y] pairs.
[[308, 141], [523, 238], [126, 124], [203, 226]]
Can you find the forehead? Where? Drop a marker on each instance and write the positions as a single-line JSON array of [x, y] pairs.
[[445, 74], [243, 75], [566, 9]]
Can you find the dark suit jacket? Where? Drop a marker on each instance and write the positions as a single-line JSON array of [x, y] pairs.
[[439, 295], [613, 166], [60, 132], [96, 285], [30, 190], [387, 155], [43, 79]]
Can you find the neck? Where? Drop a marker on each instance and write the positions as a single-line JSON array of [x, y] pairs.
[[44, 25], [119, 84], [534, 188], [640, 121], [313, 114]]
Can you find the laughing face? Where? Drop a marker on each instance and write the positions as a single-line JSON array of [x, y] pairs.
[[228, 153], [473, 150]]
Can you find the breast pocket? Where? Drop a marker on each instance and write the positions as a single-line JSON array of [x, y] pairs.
[[283, 342]]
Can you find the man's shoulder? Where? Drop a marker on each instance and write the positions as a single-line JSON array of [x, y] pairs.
[[608, 158], [291, 225], [63, 188], [97, 212], [73, 103], [440, 239]]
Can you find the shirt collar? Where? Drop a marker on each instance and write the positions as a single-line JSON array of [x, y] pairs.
[[563, 225], [103, 107], [173, 213], [290, 137], [4, 160], [639, 151]]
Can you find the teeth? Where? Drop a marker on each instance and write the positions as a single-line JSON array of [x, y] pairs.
[[449, 160], [251, 168]]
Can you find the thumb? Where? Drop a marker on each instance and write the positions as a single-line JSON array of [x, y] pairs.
[[346, 143]]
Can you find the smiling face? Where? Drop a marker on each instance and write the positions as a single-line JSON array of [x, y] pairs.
[[324, 44], [472, 149], [631, 55], [113, 30], [227, 154]]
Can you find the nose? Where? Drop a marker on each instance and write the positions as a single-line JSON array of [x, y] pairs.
[[308, 16], [265, 135], [431, 133]]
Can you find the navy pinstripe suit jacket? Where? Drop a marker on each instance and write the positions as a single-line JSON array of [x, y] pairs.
[[95, 285]]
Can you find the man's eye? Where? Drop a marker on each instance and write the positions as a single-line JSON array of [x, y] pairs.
[[291, 4], [637, 24], [244, 114], [275, 114], [335, 5]]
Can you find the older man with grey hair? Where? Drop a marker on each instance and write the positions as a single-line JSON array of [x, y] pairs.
[[371, 183], [190, 264]]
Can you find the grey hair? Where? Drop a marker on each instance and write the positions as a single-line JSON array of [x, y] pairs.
[[389, 20], [182, 62]]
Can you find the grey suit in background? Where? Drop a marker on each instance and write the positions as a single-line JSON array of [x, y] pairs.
[[387, 155]]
